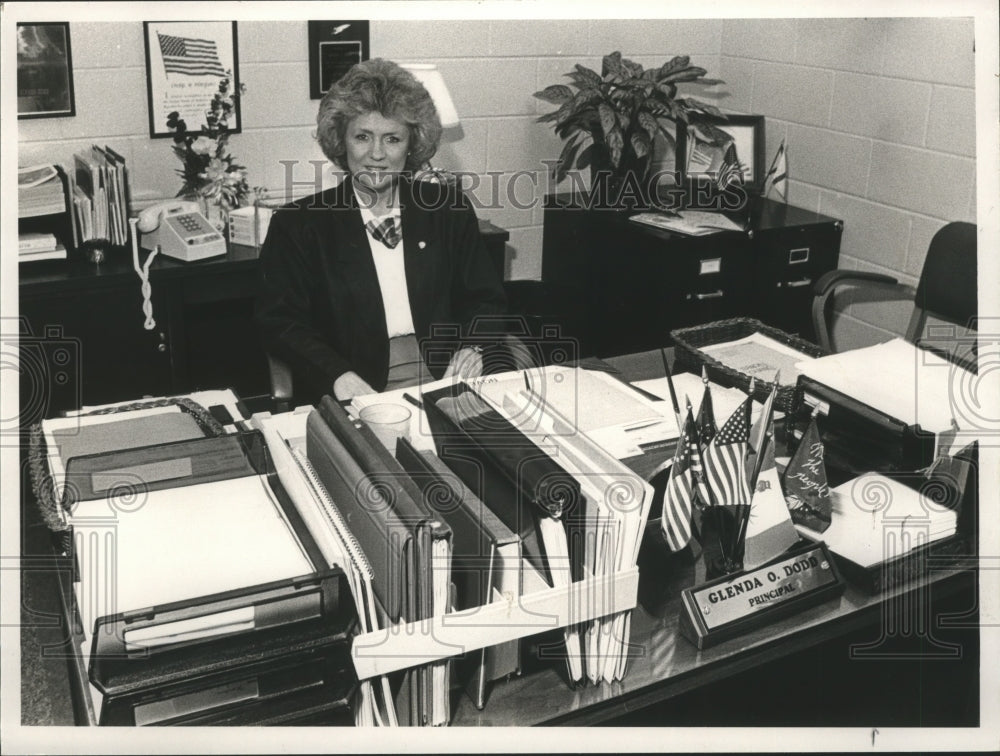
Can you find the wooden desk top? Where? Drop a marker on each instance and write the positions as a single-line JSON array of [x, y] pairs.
[[663, 664], [65, 275]]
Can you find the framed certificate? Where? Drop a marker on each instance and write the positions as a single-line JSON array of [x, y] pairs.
[[698, 159], [185, 60], [334, 46]]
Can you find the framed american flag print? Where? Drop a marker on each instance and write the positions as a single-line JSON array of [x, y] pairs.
[[185, 60]]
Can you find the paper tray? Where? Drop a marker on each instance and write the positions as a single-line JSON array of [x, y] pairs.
[[117, 660], [688, 343], [220, 684]]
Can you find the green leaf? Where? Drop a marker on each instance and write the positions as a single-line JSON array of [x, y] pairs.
[[704, 107], [687, 74], [649, 123], [674, 64], [586, 157], [631, 67], [615, 140], [611, 64], [669, 91], [640, 143], [557, 94], [608, 120], [587, 74]]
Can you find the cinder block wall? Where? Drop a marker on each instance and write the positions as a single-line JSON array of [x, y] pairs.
[[878, 115]]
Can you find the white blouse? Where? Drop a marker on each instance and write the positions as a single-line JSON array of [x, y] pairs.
[[389, 266]]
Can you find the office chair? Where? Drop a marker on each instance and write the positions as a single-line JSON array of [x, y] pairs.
[[281, 383], [946, 290]]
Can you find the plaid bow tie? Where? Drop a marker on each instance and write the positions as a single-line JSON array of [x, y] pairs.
[[386, 231]]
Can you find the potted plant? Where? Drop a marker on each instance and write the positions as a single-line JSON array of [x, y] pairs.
[[611, 121], [210, 173]]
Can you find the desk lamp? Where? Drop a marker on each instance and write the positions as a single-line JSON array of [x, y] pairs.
[[429, 75]]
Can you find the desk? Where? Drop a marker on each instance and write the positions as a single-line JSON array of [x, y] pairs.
[[88, 344], [669, 671]]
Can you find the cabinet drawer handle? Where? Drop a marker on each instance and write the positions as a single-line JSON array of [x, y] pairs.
[[708, 295], [797, 284]]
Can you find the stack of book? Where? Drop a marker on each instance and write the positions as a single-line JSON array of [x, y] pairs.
[[38, 245], [39, 191]]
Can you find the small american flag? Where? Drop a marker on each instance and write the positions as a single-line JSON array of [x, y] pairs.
[[678, 501], [730, 171], [725, 459], [191, 57]]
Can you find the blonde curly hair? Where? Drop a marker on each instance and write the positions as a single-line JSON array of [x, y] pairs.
[[379, 86]]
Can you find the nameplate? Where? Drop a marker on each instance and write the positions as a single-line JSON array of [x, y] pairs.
[[734, 604]]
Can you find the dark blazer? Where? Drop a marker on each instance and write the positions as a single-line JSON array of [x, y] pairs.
[[319, 306]]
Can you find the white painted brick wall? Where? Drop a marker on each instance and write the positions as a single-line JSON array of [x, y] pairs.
[[878, 113]]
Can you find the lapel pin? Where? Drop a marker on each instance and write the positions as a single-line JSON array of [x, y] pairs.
[[422, 244]]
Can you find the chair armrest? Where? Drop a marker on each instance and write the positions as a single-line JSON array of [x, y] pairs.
[[834, 278], [827, 284], [281, 379]]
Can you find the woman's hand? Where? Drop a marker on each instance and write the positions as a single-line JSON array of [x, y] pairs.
[[465, 363], [350, 385]]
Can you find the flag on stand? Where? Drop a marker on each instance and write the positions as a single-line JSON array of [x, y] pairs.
[[769, 532], [678, 499], [776, 179], [706, 414], [725, 459], [806, 490], [729, 172], [760, 428], [189, 56]]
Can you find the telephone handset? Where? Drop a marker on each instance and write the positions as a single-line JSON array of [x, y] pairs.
[[180, 231]]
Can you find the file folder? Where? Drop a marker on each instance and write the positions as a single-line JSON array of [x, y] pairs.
[[503, 467], [486, 558], [403, 539]]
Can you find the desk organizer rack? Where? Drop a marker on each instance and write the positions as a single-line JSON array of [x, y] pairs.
[[540, 608]]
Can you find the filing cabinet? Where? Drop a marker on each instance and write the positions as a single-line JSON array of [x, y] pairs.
[[792, 248], [632, 284]]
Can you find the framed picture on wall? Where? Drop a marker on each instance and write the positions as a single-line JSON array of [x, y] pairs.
[[698, 160], [334, 46], [185, 61], [44, 71]]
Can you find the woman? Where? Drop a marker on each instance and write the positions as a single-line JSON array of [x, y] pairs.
[[356, 281]]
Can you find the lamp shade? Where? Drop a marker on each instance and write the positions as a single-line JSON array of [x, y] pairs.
[[429, 75]]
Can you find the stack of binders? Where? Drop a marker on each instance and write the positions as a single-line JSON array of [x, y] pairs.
[[182, 621], [580, 513], [407, 545]]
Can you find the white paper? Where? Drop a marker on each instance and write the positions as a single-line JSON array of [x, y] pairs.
[[875, 518], [759, 356], [181, 543], [913, 385]]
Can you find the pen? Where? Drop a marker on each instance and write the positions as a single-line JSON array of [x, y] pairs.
[[415, 402]]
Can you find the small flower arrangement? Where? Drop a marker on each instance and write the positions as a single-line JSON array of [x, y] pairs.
[[209, 170]]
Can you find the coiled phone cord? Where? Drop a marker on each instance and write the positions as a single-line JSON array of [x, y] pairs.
[[143, 272]]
